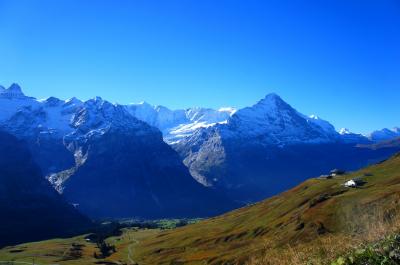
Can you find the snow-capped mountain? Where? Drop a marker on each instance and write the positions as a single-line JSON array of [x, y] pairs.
[[101, 157], [27, 115], [268, 147], [350, 137], [270, 118], [276, 122], [178, 124], [384, 134], [249, 153]]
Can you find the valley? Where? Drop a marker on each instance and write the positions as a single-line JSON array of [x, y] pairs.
[[316, 222]]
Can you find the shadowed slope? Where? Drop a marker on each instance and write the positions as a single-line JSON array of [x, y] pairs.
[[30, 208]]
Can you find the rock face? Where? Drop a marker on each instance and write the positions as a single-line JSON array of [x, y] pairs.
[[30, 208], [108, 162], [124, 169], [267, 148]]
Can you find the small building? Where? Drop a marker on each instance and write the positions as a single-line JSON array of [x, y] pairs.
[[354, 183], [350, 184], [336, 172]]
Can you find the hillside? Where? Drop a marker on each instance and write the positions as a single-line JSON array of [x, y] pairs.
[[318, 218], [30, 208]]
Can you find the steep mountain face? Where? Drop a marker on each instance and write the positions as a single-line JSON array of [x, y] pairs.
[[178, 124], [267, 148], [30, 208], [106, 161], [125, 169], [42, 123], [276, 122]]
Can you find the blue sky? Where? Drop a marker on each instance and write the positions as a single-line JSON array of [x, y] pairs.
[[339, 59]]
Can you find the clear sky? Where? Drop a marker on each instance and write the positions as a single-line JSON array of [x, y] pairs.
[[339, 59]]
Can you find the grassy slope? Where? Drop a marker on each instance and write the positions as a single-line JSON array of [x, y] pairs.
[[285, 219], [58, 251]]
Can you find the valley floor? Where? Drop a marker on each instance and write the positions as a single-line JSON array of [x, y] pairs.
[[76, 250]]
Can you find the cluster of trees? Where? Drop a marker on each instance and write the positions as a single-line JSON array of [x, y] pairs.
[[105, 250], [104, 231]]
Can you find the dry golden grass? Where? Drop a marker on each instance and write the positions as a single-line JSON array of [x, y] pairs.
[[364, 227]]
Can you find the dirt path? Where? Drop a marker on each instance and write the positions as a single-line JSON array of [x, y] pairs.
[[130, 251]]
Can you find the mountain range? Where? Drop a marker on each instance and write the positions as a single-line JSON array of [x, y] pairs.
[[104, 160], [149, 161]]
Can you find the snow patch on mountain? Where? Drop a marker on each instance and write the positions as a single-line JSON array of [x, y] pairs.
[[178, 124], [276, 122], [350, 137]]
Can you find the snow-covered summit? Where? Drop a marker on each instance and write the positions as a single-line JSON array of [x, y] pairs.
[[349, 137], [271, 118], [344, 131], [276, 122], [27, 116], [177, 124]]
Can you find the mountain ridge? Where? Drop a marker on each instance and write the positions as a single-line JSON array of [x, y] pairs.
[[180, 123]]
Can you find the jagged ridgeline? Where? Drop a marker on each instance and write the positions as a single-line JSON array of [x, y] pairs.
[[139, 160], [105, 161]]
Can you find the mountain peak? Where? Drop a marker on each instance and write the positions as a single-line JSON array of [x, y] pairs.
[[73, 100], [52, 101], [14, 91], [270, 102], [271, 97], [344, 131]]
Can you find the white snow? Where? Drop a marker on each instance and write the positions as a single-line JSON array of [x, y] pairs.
[[271, 119], [344, 131], [178, 124]]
